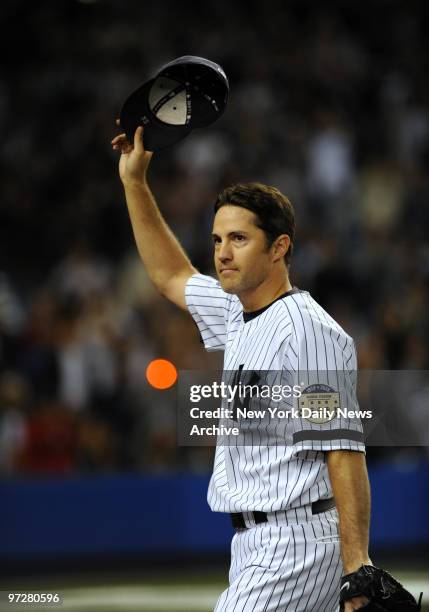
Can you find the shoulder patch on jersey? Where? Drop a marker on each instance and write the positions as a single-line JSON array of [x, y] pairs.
[[319, 403]]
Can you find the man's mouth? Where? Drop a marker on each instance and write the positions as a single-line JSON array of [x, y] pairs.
[[226, 270]]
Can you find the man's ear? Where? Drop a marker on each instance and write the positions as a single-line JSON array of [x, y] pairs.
[[280, 246]]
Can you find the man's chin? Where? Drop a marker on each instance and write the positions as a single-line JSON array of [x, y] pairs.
[[227, 286], [230, 290]]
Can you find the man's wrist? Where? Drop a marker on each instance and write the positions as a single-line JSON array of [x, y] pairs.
[[352, 566], [135, 184]]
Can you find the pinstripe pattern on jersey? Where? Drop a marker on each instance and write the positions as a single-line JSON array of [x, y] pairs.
[[294, 337], [292, 567], [211, 309]]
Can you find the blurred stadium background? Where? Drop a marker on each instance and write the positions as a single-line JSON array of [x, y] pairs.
[[330, 103]]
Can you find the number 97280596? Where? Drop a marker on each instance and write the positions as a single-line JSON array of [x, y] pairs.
[[27, 598]]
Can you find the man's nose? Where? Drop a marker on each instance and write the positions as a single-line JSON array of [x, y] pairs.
[[224, 251]]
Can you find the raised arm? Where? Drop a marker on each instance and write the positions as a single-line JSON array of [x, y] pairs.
[[164, 259]]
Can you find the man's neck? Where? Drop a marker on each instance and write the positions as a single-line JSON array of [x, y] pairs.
[[264, 294]]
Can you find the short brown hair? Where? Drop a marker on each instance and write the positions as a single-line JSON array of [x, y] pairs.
[[274, 211]]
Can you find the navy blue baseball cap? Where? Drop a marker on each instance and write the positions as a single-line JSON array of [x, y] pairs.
[[189, 92]]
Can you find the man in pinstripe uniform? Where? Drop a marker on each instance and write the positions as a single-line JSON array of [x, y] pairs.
[[300, 507]]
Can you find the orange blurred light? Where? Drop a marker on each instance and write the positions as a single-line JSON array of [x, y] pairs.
[[161, 374]]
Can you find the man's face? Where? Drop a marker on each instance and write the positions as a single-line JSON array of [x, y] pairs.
[[242, 258]]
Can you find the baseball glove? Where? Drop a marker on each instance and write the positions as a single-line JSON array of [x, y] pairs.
[[385, 594]]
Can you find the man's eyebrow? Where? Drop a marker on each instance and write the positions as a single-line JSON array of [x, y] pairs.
[[214, 235]]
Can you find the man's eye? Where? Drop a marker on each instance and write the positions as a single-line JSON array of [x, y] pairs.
[[239, 237]]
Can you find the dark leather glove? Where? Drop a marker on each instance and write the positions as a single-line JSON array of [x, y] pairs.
[[385, 594]]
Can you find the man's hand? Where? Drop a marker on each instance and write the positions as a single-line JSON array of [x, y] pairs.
[[355, 603], [134, 160]]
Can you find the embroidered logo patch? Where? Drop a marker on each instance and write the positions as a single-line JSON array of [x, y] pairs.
[[319, 403]]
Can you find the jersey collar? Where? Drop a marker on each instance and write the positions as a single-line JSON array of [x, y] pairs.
[[248, 316]]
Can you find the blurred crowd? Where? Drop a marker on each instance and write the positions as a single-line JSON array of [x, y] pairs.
[[328, 103]]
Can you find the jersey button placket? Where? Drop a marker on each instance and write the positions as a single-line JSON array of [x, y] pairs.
[[237, 340]]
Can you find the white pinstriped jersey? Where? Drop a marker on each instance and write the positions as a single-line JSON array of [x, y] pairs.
[[297, 337]]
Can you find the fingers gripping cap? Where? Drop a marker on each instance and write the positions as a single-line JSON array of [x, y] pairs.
[[189, 92]]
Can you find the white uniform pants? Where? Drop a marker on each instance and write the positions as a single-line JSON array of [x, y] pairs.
[[285, 566]]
